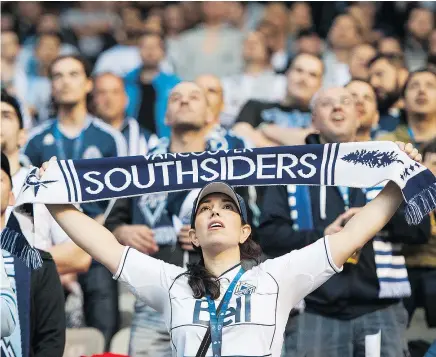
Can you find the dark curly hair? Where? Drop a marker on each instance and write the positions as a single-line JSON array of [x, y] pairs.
[[203, 283]]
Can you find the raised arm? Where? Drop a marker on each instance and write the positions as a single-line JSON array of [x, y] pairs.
[[369, 220]]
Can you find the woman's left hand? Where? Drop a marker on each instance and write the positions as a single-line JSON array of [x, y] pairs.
[[410, 150]]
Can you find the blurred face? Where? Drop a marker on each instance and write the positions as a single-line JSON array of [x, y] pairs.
[[9, 45], [218, 224], [430, 162], [420, 94], [304, 78], [30, 10], [151, 51], [212, 87], [214, 11], [48, 23], [110, 98], [384, 79], [301, 15], [389, 46], [420, 23], [11, 136], [335, 116], [7, 198], [360, 57], [277, 15], [365, 102], [255, 48], [187, 107], [69, 82], [48, 49], [309, 44], [343, 33], [173, 19]]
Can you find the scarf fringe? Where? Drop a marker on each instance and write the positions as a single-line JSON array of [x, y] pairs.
[[421, 204], [16, 244]]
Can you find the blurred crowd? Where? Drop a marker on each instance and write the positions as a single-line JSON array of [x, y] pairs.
[[100, 79]]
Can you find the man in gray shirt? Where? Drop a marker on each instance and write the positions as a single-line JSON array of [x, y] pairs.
[[213, 47]]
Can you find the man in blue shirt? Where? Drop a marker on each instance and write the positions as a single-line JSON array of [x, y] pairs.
[[148, 87], [75, 134], [110, 102]]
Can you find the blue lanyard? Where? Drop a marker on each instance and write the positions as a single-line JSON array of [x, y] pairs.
[[59, 141], [217, 322], [345, 193]]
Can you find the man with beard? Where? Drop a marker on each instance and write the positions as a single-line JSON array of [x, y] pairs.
[[385, 79], [420, 109], [366, 108]]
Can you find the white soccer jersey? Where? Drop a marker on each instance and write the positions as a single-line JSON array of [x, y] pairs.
[[258, 310]]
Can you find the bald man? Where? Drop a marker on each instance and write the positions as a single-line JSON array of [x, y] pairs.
[[218, 138], [358, 312]]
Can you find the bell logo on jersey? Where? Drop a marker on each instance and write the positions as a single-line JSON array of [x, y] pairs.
[[244, 288], [240, 312]]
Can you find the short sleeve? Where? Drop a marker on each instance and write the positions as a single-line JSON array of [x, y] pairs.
[[148, 278], [301, 271]]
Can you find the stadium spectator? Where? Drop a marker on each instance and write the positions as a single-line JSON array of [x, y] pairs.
[[257, 82], [421, 259], [217, 137], [420, 110], [419, 26], [286, 122], [343, 36], [48, 236], [28, 13], [110, 101], [173, 21], [384, 76], [148, 87], [147, 222], [76, 134], [47, 49], [212, 47], [308, 41], [299, 21], [359, 59], [91, 23], [13, 77], [124, 56], [366, 108], [432, 43], [389, 46], [358, 304]]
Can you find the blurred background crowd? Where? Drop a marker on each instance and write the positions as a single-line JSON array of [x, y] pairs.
[[259, 65]]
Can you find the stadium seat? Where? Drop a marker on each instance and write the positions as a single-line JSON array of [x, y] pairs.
[[120, 341], [83, 342]]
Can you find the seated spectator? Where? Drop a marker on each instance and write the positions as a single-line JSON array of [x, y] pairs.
[[421, 259], [420, 110], [343, 36], [47, 49], [359, 59], [148, 87], [110, 101], [390, 45], [299, 21], [385, 78], [286, 122], [212, 47], [419, 26], [257, 82], [173, 21]]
